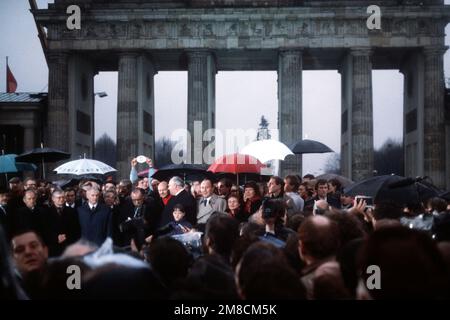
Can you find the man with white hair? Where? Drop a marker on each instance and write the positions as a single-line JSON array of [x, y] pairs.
[[95, 218], [179, 196]]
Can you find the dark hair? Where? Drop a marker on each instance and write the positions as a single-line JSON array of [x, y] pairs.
[[9, 286], [138, 190], [293, 181], [387, 210], [180, 207], [210, 277], [438, 204], [254, 186], [222, 232], [227, 182], [278, 181], [170, 259], [69, 189], [335, 182], [319, 183], [412, 266], [307, 188], [309, 176], [320, 240], [265, 274], [208, 179], [273, 208], [24, 230], [294, 221], [349, 226]]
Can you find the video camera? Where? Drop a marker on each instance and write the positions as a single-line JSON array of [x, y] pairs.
[[134, 228]]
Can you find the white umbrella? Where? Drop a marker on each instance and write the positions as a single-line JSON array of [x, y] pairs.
[[266, 150], [84, 166]]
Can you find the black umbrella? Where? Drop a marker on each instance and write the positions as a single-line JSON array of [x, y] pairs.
[[309, 146], [186, 171], [401, 190], [42, 155], [344, 181], [445, 195]]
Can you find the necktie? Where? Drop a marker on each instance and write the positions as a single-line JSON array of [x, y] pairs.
[[59, 210], [205, 201], [93, 209]]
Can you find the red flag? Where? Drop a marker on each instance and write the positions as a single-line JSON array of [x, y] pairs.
[[11, 83]]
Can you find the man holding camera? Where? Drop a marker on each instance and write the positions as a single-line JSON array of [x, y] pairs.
[[139, 220]]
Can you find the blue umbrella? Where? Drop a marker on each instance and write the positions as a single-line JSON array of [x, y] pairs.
[[8, 164]]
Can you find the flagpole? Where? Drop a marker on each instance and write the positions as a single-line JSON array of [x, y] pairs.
[[6, 74]]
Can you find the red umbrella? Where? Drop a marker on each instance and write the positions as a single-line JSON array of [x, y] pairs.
[[236, 163]]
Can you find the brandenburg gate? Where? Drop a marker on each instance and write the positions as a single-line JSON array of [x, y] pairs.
[[138, 38]]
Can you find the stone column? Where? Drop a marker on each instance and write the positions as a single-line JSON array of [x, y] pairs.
[[81, 106], [146, 106], [362, 115], [413, 103], [57, 133], [290, 66], [127, 113], [434, 116], [28, 137], [201, 102], [357, 150]]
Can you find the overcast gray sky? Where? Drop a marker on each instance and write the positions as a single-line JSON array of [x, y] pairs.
[[241, 97]]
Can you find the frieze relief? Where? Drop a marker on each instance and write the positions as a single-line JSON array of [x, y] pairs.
[[244, 28]]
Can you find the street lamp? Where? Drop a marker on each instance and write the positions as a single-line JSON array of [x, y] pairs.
[[101, 94]]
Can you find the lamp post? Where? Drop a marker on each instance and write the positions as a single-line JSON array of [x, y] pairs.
[[101, 94]]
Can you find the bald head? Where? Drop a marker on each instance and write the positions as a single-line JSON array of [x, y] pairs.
[[322, 205], [318, 238], [163, 189]]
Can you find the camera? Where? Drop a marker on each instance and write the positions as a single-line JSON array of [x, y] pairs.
[[368, 200], [134, 228]]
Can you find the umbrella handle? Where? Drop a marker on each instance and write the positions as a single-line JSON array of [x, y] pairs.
[[43, 169]]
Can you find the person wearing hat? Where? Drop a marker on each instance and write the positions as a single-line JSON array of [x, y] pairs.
[[273, 214]]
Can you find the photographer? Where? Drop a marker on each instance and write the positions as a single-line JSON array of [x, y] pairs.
[[139, 220]]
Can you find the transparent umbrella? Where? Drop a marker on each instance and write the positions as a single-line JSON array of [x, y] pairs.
[[84, 166]]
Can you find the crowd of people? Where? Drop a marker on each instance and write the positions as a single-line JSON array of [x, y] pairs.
[[290, 238]]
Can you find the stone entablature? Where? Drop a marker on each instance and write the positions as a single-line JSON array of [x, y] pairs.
[[246, 28]]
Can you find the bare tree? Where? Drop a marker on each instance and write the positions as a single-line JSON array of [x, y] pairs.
[[389, 158], [105, 150], [163, 151], [333, 164]]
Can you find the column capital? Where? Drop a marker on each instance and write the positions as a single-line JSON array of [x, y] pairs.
[[291, 51], [200, 53], [57, 56], [128, 54], [430, 51], [361, 51]]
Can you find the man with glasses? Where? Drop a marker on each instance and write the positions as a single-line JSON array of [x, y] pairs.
[[61, 226]]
